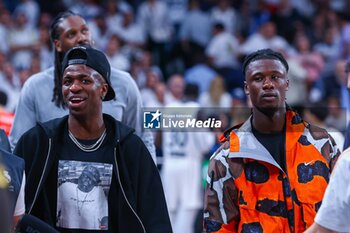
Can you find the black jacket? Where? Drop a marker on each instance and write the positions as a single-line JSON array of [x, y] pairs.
[[137, 205]]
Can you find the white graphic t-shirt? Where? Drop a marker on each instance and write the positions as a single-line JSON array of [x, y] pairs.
[[82, 194]]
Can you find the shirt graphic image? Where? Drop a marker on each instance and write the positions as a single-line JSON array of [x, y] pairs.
[[82, 195]]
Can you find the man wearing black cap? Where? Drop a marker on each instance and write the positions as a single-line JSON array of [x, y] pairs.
[[54, 151], [45, 103]]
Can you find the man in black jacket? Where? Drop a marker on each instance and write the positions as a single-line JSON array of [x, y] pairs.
[[57, 152]]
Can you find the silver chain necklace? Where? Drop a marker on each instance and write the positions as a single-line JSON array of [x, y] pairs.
[[88, 148], [80, 202]]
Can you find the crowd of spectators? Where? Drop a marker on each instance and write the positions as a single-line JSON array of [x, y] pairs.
[[202, 41], [166, 44]]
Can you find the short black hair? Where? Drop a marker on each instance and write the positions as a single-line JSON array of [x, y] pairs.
[[191, 91], [263, 54], [54, 27], [3, 98], [347, 66], [219, 26]]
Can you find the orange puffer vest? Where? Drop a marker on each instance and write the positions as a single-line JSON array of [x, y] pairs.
[[247, 191]]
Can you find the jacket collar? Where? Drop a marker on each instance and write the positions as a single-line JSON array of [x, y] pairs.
[[243, 143]]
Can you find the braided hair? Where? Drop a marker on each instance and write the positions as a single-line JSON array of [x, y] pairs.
[[263, 54], [55, 34]]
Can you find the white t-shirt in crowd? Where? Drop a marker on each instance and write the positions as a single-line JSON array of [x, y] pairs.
[[20, 206], [335, 209]]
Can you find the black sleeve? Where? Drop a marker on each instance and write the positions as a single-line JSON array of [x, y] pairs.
[[151, 204], [30, 147]]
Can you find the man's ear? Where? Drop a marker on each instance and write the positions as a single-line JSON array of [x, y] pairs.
[[287, 86], [104, 90], [246, 90], [57, 45]]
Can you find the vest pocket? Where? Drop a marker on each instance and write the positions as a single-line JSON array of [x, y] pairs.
[[267, 212], [305, 209]]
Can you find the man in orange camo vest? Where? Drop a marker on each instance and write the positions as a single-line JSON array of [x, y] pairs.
[[271, 172]]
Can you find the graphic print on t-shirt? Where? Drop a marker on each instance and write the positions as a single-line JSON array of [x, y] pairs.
[[82, 195]]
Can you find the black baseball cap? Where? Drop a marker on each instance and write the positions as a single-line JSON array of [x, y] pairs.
[[93, 58]]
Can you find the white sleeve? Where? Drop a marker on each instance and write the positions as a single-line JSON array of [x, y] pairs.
[[20, 206], [133, 117], [335, 209], [130, 98]]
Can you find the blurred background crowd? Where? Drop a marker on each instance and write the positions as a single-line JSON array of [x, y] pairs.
[[167, 44]]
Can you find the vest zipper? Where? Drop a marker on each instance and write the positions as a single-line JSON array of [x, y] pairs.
[[291, 226], [286, 180]]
